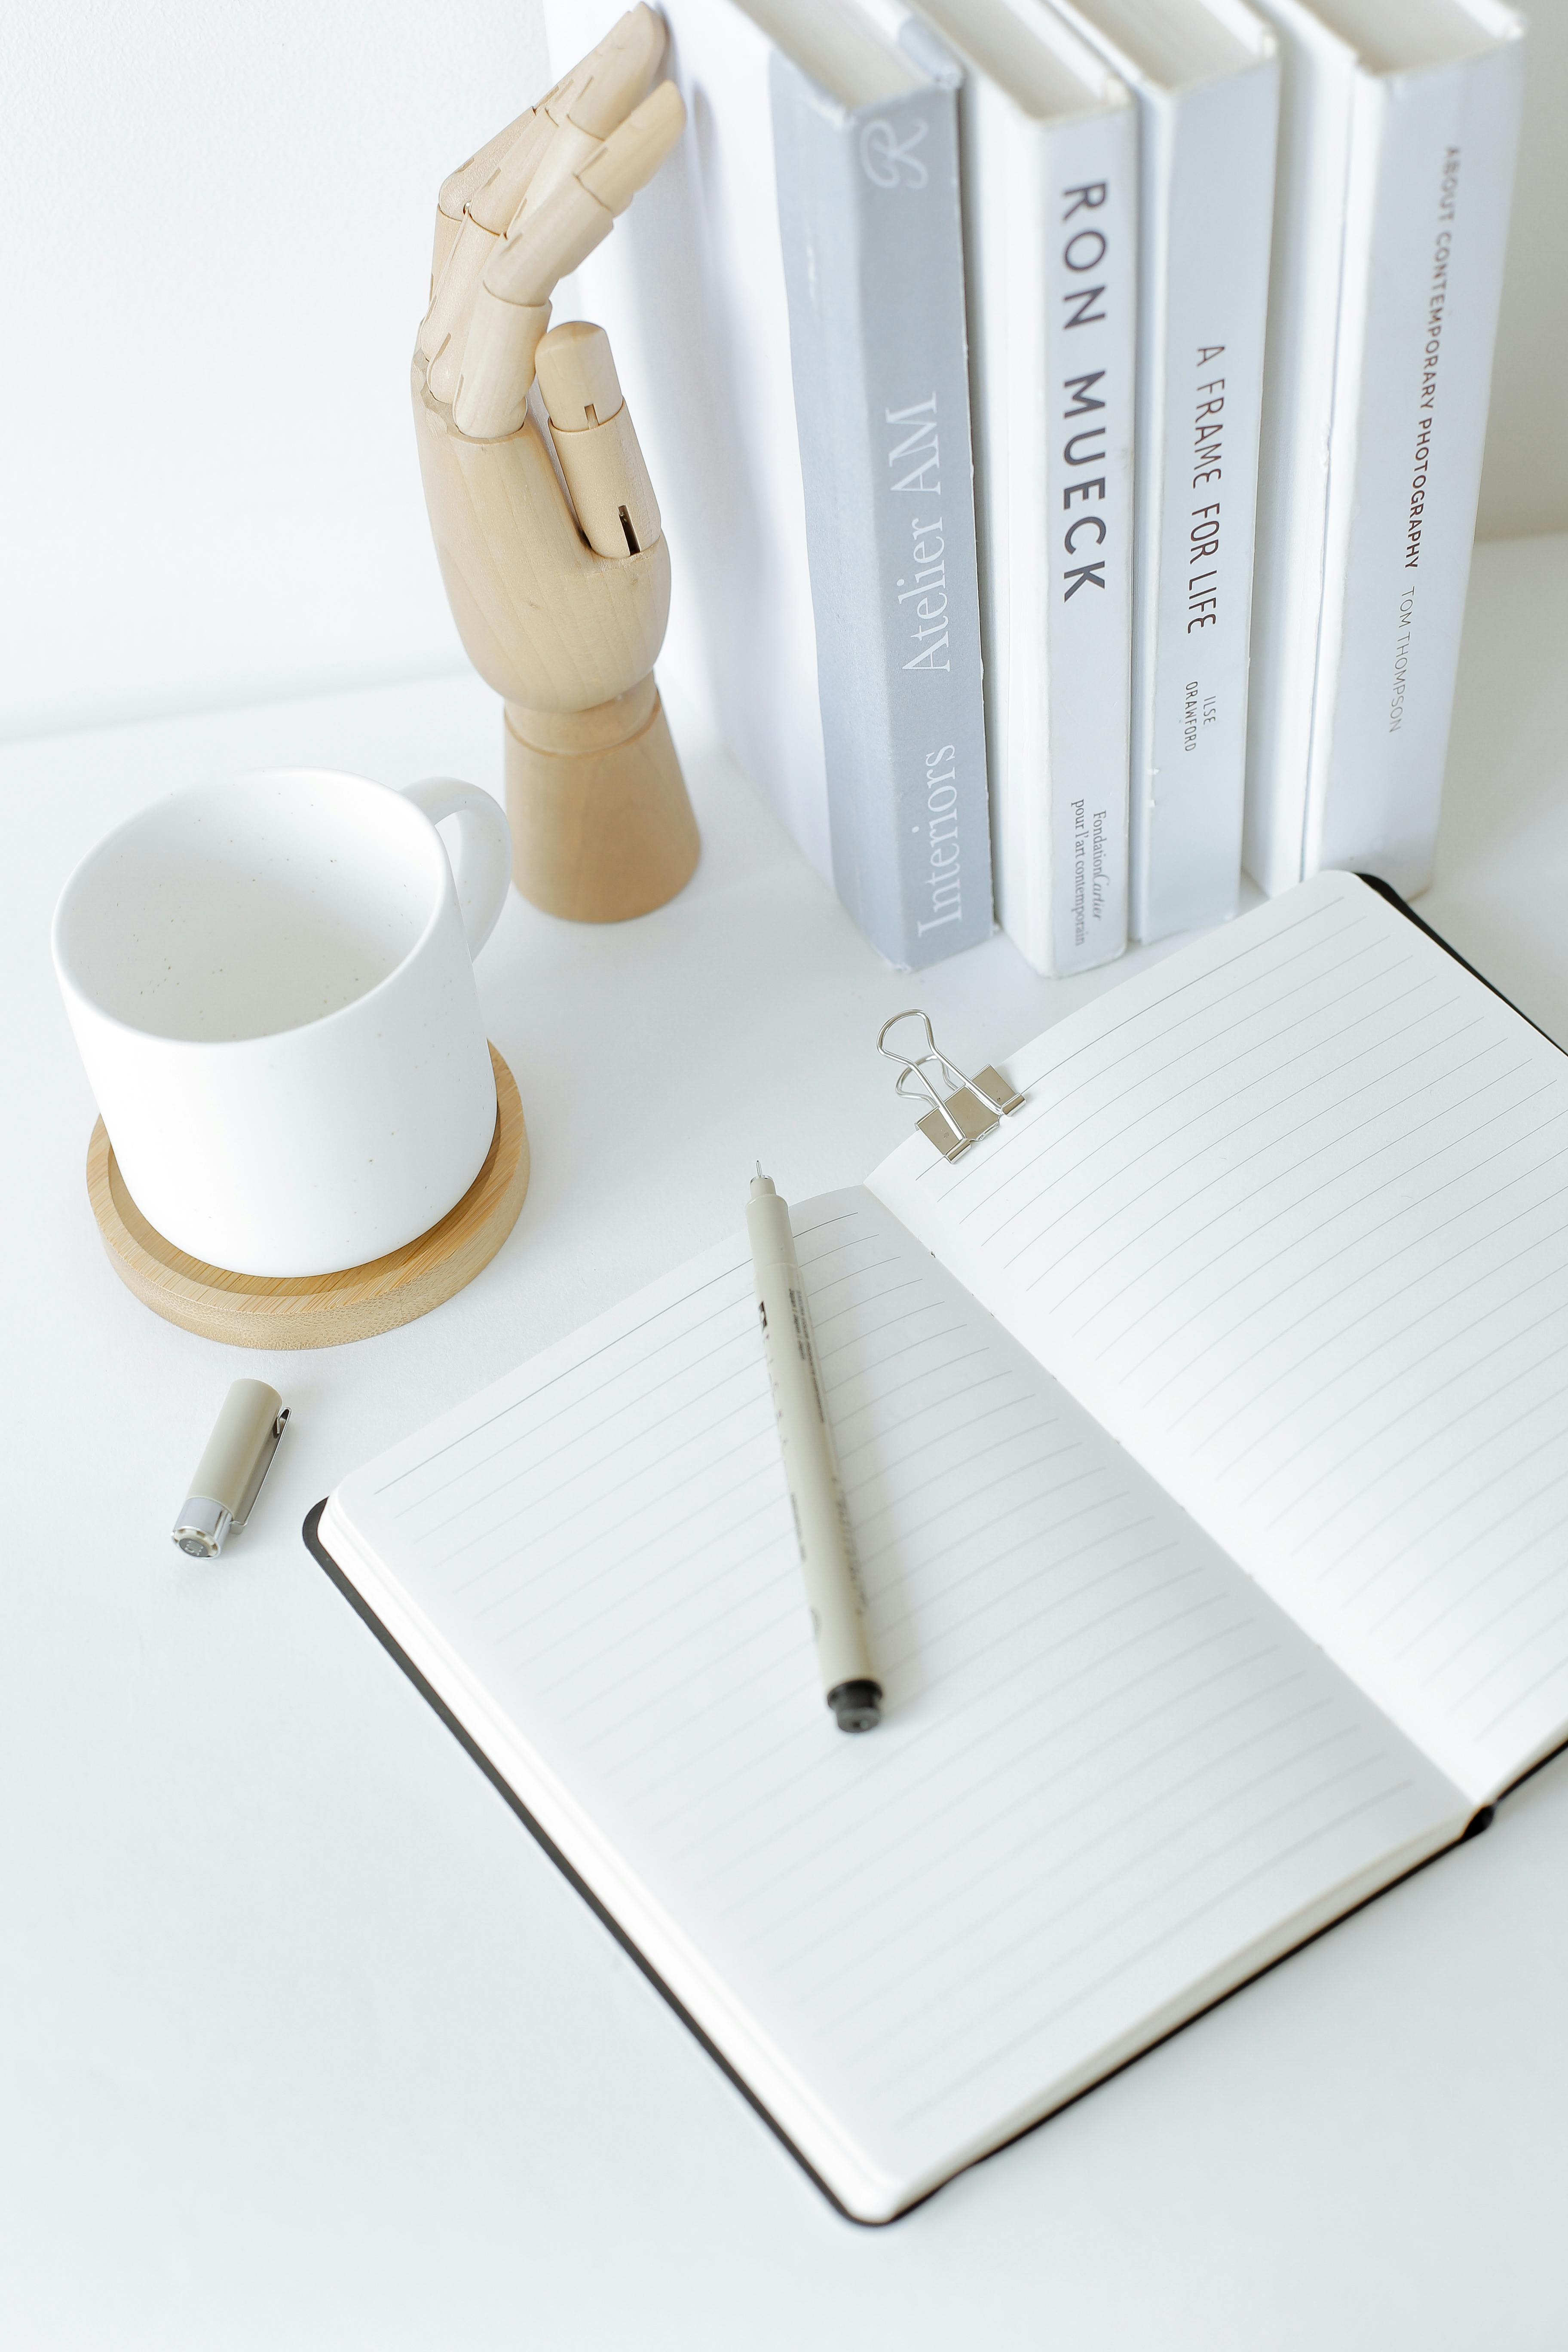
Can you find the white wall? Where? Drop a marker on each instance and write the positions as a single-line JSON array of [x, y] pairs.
[[218, 223], [217, 218]]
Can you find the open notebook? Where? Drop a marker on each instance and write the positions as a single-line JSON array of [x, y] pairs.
[[1206, 1435]]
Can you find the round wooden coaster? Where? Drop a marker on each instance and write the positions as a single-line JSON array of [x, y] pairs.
[[319, 1310]]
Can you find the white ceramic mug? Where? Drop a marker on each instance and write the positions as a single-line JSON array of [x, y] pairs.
[[271, 985]]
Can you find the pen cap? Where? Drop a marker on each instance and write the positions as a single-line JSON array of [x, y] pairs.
[[234, 1462]]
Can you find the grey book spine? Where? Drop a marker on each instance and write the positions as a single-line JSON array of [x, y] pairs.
[[868, 212]]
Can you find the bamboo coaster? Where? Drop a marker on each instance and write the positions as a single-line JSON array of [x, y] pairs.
[[320, 1310]]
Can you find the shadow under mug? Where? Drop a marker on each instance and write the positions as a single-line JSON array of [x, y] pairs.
[[270, 983]]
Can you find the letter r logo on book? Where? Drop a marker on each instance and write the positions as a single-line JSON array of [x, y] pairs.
[[887, 162]]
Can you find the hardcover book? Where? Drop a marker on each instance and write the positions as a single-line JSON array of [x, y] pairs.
[[1206, 82], [1400, 128], [866, 151], [762, 396], [1049, 139], [1205, 1432], [690, 288]]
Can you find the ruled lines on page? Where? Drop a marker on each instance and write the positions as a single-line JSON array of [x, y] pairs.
[[1291, 1214], [1108, 1766]]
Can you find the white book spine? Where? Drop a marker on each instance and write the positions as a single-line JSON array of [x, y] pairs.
[[1430, 182], [690, 288], [1317, 78], [1208, 173], [1052, 236]]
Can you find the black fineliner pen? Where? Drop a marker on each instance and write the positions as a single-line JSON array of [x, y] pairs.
[[811, 1470]]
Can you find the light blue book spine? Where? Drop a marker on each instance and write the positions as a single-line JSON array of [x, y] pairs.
[[868, 212]]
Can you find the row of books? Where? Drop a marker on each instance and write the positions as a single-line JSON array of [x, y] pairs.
[[1067, 417]]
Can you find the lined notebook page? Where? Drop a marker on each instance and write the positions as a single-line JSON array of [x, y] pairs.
[[1110, 1767], [1290, 1214]]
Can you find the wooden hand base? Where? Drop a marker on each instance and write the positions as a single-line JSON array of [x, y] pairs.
[[600, 825]]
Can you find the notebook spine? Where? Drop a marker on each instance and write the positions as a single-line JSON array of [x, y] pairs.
[[868, 212]]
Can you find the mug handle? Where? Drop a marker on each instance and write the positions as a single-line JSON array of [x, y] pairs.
[[482, 872]]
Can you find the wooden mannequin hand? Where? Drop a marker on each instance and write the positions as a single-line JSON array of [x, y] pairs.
[[561, 594], [562, 607]]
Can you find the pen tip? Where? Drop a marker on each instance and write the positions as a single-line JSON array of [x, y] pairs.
[[759, 1167], [857, 1706]]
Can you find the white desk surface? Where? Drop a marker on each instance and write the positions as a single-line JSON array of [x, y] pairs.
[[304, 2044]]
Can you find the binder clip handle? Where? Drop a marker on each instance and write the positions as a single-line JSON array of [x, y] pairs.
[[975, 1106]]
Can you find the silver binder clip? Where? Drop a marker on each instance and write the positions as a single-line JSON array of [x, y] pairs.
[[975, 1106]]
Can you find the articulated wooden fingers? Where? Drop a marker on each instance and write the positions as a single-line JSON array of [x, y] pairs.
[[495, 180], [545, 148], [561, 610], [552, 236], [460, 185], [549, 623]]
